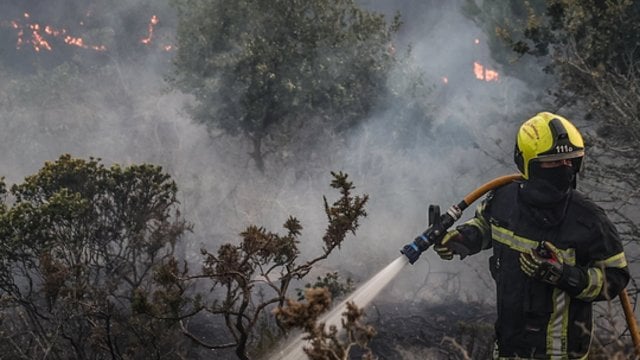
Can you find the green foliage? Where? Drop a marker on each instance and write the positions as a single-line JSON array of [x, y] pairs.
[[603, 33], [264, 69], [504, 23], [590, 46], [82, 244], [591, 49]]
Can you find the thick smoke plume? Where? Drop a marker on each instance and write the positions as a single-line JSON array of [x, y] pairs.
[[124, 112]]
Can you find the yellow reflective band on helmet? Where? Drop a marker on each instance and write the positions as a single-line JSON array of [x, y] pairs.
[[558, 325], [524, 245], [546, 137], [617, 261], [594, 285]]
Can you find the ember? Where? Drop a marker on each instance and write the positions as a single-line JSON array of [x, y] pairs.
[[38, 34], [41, 37], [152, 23], [482, 73]]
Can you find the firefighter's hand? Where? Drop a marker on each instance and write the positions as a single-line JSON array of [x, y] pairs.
[[445, 249], [544, 263]]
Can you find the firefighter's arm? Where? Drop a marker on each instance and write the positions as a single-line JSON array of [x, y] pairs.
[[604, 280], [467, 239], [606, 273], [604, 276]]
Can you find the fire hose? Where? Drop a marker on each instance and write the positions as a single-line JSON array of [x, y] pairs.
[[438, 225]]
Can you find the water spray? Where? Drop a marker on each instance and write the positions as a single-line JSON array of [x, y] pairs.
[[361, 297], [438, 225]]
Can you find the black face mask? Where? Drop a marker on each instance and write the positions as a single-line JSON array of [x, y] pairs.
[[560, 177]]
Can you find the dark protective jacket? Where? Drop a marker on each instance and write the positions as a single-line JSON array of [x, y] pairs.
[[537, 320]]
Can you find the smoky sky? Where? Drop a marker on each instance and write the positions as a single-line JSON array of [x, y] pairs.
[[123, 111]]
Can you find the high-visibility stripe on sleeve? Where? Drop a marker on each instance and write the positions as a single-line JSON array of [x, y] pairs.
[[616, 261], [479, 219], [594, 285], [482, 226]]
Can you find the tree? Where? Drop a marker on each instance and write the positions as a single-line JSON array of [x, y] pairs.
[[81, 244], [590, 46], [249, 278], [264, 69]]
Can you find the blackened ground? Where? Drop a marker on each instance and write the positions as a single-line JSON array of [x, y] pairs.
[[453, 330], [421, 330], [405, 331]]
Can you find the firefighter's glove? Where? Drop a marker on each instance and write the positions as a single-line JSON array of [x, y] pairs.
[[446, 248], [544, 263]]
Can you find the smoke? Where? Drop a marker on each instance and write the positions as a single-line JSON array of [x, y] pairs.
[[123, 112], [469, 143]]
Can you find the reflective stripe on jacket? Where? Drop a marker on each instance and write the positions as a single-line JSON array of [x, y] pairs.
[[537, 320]]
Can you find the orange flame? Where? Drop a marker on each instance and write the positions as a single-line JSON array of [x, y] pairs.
[[483, 73], [152, 23], [39, 36], [38, 41]]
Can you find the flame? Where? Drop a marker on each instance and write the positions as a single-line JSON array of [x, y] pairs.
[[149, 39], [40, 36], [16, 26], [37, 40], [483, 73], [152, 23], [38, 33], [445, 80], [491, 75]]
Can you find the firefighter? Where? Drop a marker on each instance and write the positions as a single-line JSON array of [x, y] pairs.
[[554, 251]]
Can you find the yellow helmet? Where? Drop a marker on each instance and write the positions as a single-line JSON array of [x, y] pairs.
[[547, 137]]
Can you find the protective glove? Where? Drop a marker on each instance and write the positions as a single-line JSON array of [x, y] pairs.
[[544, 263], [445, 251]]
